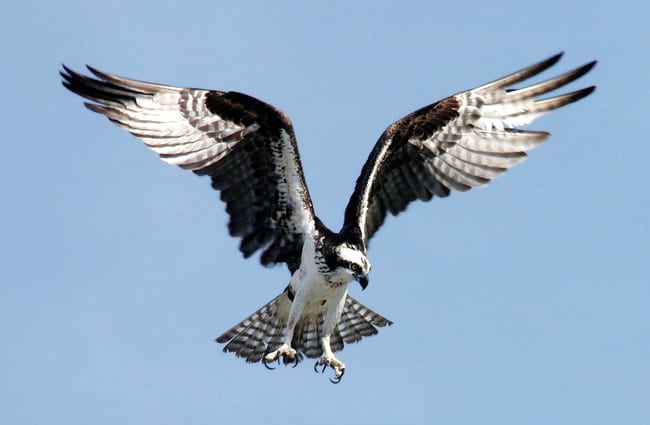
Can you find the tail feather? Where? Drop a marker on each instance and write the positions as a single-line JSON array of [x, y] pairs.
[[306, 336], [358, 321], [264, 330], [252, 337]]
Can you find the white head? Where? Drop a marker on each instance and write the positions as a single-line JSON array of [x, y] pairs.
[[352, 263]]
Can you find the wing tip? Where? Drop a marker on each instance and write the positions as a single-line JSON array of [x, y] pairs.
[[65, 71], [582, 93], [589, 65], [68, 75], [97, 73], [580, 71], [554, 59], [536, 69]]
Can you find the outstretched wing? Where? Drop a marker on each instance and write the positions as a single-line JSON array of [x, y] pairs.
[[246, 146], [460, 142]]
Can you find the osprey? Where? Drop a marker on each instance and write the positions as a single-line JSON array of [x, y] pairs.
[[248, 148]]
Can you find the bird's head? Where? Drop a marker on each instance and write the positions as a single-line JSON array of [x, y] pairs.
[[352, 263]]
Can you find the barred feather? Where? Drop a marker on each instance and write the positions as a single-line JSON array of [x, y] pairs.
[[460, 142], [246, 146], [264, 330]]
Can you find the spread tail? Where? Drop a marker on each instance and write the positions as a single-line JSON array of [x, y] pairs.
[[264, 330]]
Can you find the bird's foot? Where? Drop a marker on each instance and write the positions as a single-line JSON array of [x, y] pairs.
[[334, 363], [288, 354]]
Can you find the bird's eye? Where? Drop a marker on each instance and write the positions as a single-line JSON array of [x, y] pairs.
[[355, 267]]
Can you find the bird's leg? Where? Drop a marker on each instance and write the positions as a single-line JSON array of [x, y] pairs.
[[329, 324], [328, 359], [288, 353]]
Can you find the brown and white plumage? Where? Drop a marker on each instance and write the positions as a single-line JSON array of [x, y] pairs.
[[246, 146], [264, 330], [249, 150], [457, 143]]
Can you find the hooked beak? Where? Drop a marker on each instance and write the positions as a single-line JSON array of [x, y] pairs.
[[362, 278]]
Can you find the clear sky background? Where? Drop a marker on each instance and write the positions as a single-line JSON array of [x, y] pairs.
[[526, 302]]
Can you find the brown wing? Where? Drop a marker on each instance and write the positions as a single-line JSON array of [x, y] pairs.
[[460, 142], [246, 146]]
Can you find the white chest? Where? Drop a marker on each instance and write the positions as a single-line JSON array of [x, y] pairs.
[[316, 290]]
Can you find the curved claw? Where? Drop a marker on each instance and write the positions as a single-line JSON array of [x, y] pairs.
[[318, 363], [266, 364], [334, 380], [295, 362], [338, 379]]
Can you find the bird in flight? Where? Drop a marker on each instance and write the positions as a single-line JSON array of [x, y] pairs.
[[249, 150]]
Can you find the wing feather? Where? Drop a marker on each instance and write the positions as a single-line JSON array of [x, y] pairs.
[[246, 146], [458, 143]]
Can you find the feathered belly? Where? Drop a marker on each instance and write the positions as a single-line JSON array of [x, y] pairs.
[[321, 295]]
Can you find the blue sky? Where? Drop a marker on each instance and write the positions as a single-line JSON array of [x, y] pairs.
[[527, 302]]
